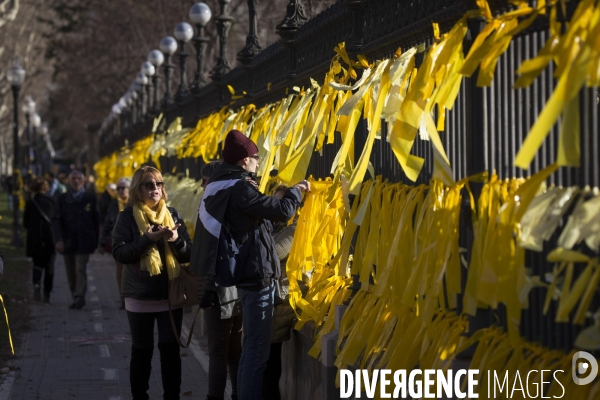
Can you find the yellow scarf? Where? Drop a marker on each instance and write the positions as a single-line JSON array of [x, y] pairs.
[[145, 217], [122, 203]]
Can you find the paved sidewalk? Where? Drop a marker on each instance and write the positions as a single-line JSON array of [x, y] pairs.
[[84, 354]]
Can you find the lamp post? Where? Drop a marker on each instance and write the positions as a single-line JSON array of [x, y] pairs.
[[168, 46], [16, 76], [148, 70], [142, 80], [200, 14], [156, 58], [41, 150], [28, 108], [223, 22], [252, 47], [183, 33], [139, 103], [135, 102], [36, 121]]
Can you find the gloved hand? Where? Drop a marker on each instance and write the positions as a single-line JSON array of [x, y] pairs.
[[209, 299]]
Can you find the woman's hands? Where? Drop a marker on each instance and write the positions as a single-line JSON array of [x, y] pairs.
[[157, 232]]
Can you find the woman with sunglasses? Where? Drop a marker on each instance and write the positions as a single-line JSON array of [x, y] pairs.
[[151, 241], [114, 208]]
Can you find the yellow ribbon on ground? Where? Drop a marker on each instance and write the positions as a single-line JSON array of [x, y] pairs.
[[12, 349]]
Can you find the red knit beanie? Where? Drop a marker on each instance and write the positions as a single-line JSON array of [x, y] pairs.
[[237, 146]]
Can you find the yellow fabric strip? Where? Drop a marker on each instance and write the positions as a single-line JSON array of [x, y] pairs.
[[12, 349]]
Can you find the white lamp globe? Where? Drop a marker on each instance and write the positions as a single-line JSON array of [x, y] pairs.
[[16, 74], [200, 14], [36, 121], [28, 105], [148, 69], [141, 78], [168, 45], [156, 58], [184, 32]]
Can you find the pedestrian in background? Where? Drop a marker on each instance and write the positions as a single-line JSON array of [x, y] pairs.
[[76, 229], [105, 199], [232, 198], [223, 322], [115, 207], [151, 241], [56, 188], [37, 219]]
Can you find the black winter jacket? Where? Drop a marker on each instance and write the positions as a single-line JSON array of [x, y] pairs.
[[128, 246], [40, 243], [76, 223], [230, 197]]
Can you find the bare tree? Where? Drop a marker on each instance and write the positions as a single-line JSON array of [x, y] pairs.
[[82, 55]]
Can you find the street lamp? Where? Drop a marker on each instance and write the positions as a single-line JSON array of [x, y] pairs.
[[28, 108], [133, 97], [41, 159], [36, 121], [168, 46], [200, 14], [149, 71], [156, 58], [142, 80], [183, 33], [16, 76]]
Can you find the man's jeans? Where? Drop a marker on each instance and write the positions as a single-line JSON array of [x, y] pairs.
[[76, 265], [258, 317]]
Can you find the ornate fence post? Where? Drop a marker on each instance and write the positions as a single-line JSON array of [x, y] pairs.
[[223, 22], [252, 47], [358, 23], [294, 19]]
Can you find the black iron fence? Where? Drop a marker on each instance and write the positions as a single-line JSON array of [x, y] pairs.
[[483, 132]]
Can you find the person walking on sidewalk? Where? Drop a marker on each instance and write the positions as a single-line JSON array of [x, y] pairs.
[[114, 208], [151, 241], [76, 229], [232, 198], [37, 219], [223, 322]]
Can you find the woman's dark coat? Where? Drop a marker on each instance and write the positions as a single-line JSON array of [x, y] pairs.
[[128, 246], [40, 242]]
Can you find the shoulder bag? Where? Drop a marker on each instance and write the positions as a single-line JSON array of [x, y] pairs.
[[183, 292]]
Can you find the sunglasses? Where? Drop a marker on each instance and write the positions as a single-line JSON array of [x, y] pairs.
[[256, 157], [122, 187], [154, 185]]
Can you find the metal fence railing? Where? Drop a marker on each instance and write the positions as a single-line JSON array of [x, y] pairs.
[[483, 132]]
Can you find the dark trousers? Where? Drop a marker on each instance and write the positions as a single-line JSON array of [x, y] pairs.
[[224, 349], [272, 374], [44, 266], [142, 347]]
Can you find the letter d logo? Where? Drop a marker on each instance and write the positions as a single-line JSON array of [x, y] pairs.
[[579, 368]]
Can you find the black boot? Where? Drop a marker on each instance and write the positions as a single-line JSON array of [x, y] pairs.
[[170, 370], [139, 372]]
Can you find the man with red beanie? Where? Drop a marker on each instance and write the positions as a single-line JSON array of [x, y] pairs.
[[232, 200]]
